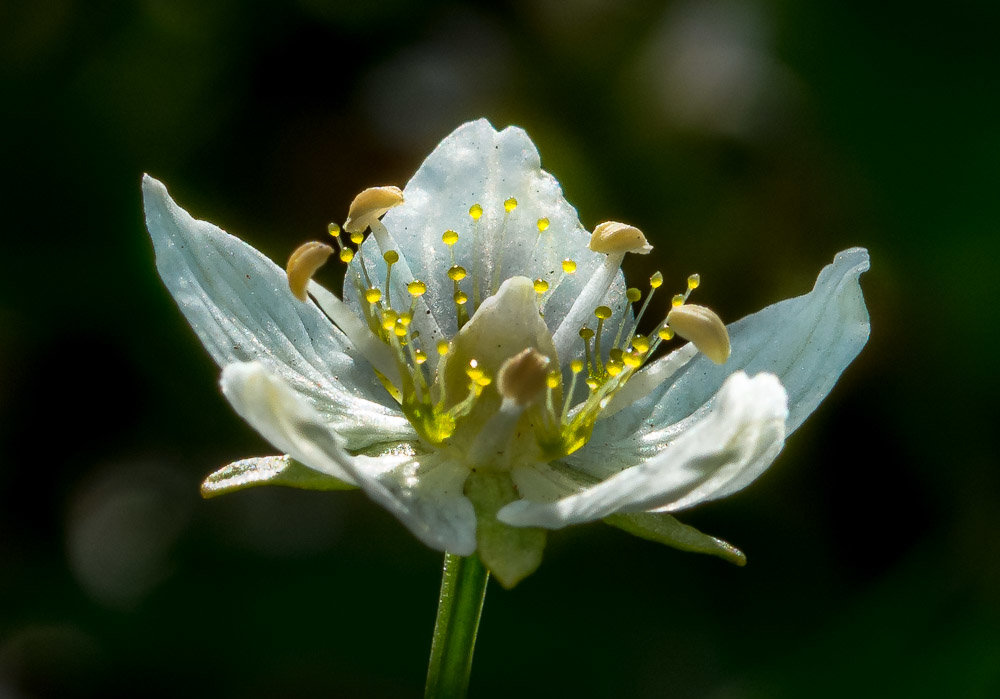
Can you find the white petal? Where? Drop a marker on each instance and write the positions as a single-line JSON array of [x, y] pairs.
[[477, 164], [736, 440], [807, 341], [239, 304], [426, 495]]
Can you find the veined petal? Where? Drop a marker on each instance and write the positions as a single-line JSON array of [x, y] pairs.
[[423, 492], [238, 303], [807, 341], [476, 164], [737, 439]]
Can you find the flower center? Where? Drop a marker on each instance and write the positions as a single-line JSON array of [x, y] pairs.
[[461, 406]]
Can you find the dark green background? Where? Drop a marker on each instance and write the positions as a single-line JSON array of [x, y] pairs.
[[751, 141]]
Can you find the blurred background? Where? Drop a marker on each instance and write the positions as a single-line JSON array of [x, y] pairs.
[[750, 140]]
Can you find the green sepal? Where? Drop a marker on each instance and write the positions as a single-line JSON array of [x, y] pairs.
[[510, 553], [268, 470], [665, 529]]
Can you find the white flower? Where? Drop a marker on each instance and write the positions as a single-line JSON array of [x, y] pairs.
[[482, 379]]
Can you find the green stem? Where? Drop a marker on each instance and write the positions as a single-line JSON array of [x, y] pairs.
[[463, 589]]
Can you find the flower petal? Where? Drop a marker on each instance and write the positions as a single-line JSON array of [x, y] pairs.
[[424, 494], [238, 303], [734, 442], [478, 165], [807, 341]]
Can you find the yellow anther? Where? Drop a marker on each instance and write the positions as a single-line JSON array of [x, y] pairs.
[[702, 327], [665, 333], [612, 237], [592, 384], [405, 319], [640, 344], [461, 297], [357, 237], [484, 381], [416, 288], [523, 376], [373, 295], [633, 294], [399, 329], [656, 281], [540, 286], [457, 273], [346, 255], [552, 380], [473, 371], [602, 312], [476, 212], [543, 225], [693, 281], [632, 360], [509, 204], [443, 347], [371, 205], [391, 257], [302, 265], [569, 266], [677, 300], [614, 368], [449, 237], [333, 229], [389, 318], [419, 356], [576, 366], [586, 333]]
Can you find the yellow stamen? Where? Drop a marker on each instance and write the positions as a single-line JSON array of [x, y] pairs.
[[569, 266], [543, 225], [510, 204], [449, 237]]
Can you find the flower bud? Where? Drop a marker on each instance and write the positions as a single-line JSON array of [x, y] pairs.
[[523, 376], [371, 205], [702, 327], [302, 265], [612, 237]]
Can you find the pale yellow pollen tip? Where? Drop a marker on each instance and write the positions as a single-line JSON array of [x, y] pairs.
[[371, 205], [569, 266], [612, 237], [302, 265], [416, 288], [510, 204], [476, 212], [543, 225], [702, 327], [449, 237], [523, 376]]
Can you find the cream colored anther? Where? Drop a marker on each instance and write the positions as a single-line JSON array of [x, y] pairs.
[[522, 377], [612, 237], [702, 327], [302, 265], [371, 205]]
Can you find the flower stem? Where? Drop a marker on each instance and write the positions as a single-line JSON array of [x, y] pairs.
[[463, 590]]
